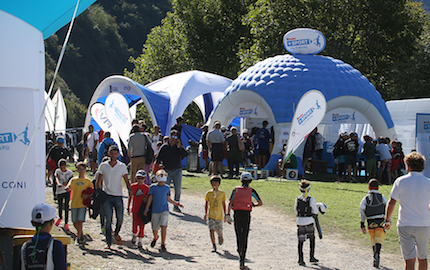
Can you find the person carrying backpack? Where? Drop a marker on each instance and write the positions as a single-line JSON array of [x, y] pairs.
[[104, 146], [372, 208]]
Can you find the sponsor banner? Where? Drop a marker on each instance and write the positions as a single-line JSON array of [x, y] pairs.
[[304, 41], [309, 113], [248, 109], [18, 120], [98, 113], [423, 139], [344, 115], [118, 113]]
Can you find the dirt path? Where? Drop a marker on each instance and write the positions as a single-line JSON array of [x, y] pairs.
[[272, 245]]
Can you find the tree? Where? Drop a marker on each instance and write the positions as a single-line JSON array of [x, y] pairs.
[[377, 37]]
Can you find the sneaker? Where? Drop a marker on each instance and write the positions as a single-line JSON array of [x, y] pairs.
[[313, 259], [214, 248], [302, 263], [133, 239], [57, 223], [176, 209], [139, 245], [118, 240], [153, 242], [76, 241], [163, 248], [220, 239], [66, 227]]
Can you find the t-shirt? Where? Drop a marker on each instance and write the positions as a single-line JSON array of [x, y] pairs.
[[159, 198], [78, 185], [112, 177], [412, 191], [63, 179], [263, 138], [383, 151], [155, 139], [215, 136], [351, 147], [138, 193], [319, 141], [92, 140], [215, 199]]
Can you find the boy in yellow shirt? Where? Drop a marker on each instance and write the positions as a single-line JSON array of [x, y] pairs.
[[215, 203], [77, 185]]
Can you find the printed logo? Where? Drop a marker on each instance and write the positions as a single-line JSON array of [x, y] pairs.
[[292, 174], [426, 124], [122, 117], [293, 42], [343, 117], [308, 114], [8, 138], [245, 111], [101, 114]]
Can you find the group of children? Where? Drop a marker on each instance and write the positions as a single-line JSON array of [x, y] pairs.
[[155, 199]]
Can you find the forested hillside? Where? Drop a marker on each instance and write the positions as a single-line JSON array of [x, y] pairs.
[[102, 41]]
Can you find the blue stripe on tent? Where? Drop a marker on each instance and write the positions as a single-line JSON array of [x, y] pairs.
[[209, 106], [131, 99]]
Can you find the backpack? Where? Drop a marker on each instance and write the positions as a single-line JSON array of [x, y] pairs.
[[374, 205], [304, 208]]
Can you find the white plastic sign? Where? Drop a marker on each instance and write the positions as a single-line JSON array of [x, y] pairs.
[[304, 41]]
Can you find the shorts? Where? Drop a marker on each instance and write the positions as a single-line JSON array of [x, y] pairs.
[[306, 231], [341, 159], [395, 164], [411, 237], [385, 164], [78, 214], [217, 153], [93, 156], [159, 219], [215, 225], [205, 154], [377, 236], [371, 166], [350, 160]]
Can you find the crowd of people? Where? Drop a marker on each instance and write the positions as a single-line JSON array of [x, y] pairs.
[[148, 197], [380, 158]]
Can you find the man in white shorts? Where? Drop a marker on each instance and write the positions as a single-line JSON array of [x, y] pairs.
[[412, 191]]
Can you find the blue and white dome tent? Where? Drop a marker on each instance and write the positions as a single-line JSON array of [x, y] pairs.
[[275, 86]]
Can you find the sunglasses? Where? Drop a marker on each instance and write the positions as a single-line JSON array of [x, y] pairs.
[[174, 137]]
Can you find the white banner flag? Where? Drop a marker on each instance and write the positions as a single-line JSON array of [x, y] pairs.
[[118, 113], [98, 112], [309, 113], [423, 139]]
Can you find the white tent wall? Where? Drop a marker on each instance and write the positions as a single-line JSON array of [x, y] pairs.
[[22, 83], [185, 87], [122, 85], [404, 114]]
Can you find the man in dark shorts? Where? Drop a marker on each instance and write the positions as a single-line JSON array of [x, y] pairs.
[[216, 143], [351, 148]]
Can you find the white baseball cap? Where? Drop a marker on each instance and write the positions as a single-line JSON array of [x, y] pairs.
[[42, 213]]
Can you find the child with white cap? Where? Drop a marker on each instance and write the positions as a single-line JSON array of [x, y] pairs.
[[43, 251], [159, 196]]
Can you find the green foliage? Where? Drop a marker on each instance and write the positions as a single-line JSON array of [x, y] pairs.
[[380, 38], [203, 35]]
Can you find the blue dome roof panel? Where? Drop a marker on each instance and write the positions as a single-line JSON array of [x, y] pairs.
[[282, 80]]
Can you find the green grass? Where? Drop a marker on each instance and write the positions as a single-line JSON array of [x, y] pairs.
[[343, 201]]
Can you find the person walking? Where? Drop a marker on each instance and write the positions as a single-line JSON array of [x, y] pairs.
[[169, 158], [109, 178], [241, 202], [412, 191], [137, 151], [216, 143]]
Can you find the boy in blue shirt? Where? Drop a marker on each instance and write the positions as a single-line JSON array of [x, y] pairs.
[[159, 195]]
